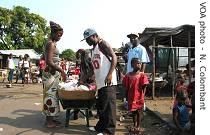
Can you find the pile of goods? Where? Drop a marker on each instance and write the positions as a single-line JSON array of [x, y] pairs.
[[70, 90]]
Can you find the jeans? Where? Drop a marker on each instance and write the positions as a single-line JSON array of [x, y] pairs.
[[10, 75], [106, 106]]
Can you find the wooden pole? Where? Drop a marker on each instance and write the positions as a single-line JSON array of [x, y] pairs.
[[173, 69], [178, 58], [169, 57], [189, 56], [153, 71]]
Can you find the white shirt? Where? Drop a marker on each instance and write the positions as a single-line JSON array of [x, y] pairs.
[[101, 66], [26, 64], [11, 64], [20, 64]]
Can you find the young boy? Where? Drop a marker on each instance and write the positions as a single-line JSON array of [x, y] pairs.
[[182, 89], [135, 83], [180, 113]]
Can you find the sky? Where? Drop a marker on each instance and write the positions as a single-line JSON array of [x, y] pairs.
[[112, 19]]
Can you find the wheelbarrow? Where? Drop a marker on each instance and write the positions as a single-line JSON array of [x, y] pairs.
[[77, 99]]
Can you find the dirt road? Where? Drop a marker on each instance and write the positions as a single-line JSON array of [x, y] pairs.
[[20, 114]]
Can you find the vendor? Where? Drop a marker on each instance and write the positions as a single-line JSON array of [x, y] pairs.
[[86, 70], [51, 77]]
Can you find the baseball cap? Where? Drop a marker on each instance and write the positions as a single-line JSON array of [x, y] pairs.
[[88, 32], [134, 34]]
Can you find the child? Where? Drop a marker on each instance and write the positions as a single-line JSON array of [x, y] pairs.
[[180, 114], [181, 89], [135, 83]]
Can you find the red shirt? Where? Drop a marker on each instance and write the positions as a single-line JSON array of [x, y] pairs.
[[77, 71], [133, 84], [42, 64], [63, 65]]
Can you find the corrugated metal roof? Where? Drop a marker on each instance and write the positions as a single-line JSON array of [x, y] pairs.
[[163, 36], [32, 54]]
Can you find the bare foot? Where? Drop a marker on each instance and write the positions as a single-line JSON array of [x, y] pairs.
[[139, 130], [52, 125]]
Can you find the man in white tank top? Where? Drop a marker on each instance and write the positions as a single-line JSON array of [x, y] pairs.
[[26, 69], [104, 62]]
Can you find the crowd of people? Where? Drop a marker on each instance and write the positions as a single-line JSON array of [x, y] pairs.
[[99, 66], [22, 71]]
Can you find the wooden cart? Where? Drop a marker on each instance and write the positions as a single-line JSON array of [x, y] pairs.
[[77, 99]]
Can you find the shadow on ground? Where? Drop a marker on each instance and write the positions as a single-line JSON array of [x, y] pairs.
[[34, 120]]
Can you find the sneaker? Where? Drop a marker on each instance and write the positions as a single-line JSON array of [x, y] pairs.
[[92, 129]]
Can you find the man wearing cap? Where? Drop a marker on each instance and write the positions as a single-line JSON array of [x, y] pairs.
[[104, 62], [136, 51]]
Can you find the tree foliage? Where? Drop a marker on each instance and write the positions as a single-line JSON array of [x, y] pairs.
[[68, 54], [20, 29]]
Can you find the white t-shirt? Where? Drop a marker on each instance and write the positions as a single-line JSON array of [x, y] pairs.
[[20, 64], [101, 66], [26, 64], [11, 64]]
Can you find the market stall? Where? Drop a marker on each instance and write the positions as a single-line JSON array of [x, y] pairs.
[[173, 39]]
